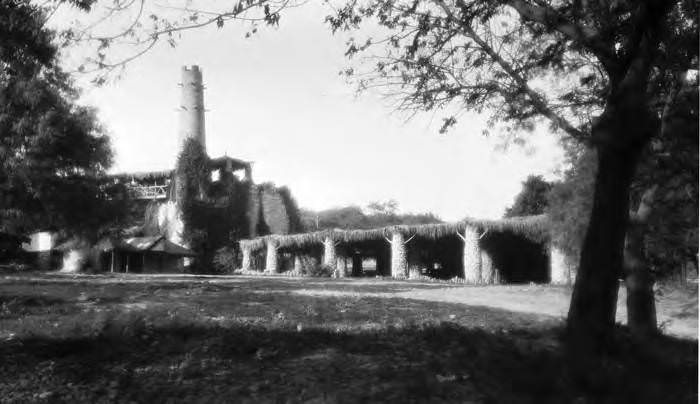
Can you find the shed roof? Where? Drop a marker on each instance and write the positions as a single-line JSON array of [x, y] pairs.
[[157, 244]]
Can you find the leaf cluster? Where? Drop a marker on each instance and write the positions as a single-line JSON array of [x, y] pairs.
[[532, 199]]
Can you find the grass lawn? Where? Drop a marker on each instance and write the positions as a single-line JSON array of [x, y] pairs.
[[246, 339]]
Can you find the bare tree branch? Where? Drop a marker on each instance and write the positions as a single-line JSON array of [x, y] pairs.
[[536, 99]]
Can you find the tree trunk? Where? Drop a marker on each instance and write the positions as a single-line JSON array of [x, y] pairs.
[[592, 312], [641, 307]]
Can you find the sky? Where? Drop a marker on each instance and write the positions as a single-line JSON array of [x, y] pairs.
[[277, 99]]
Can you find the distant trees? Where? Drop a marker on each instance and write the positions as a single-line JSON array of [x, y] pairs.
[[53, 152], [379, 214], [532, 199]]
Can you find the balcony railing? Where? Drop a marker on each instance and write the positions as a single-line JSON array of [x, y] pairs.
[[148, 192]]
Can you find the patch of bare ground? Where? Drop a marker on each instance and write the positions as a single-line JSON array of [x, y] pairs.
[[237, 339]]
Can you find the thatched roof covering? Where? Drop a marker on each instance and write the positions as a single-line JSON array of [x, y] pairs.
[[534, 228]]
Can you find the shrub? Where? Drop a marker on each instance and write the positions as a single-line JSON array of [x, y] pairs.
[[319, 271], [225, 260]]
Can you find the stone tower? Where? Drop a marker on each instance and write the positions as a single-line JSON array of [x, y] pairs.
[[192, 107]]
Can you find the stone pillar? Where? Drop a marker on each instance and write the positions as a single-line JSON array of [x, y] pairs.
[[271, 259], [399, 265], [488, 272], [329, 255], [472, 256], [559, 269], [73, 260], [356, 264], [298, 266], [340, 266], [245, 261]]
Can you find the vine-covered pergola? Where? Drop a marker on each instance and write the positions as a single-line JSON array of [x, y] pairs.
[[511, 250]]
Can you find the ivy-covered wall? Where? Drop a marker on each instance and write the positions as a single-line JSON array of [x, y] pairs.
[[211, 215]]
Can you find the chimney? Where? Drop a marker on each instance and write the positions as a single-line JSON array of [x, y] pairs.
[[192, 106]]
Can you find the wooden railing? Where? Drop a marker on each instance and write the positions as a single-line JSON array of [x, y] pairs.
[[149, 192]]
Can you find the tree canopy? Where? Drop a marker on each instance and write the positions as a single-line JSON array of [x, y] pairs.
[[669, 163], [377, 214], [532, 199], [53, 152], [521, 62], [596, 71]]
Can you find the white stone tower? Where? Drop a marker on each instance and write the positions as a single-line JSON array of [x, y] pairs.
[[192, 107]]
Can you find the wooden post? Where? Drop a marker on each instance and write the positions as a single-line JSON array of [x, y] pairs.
[[111, 269], [329, 254], [127, 262], [271, 259], [559, 271], [245, 261], [471, 256], [399, 265]]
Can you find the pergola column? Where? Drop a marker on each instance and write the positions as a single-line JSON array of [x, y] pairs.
[[271, 259], [472, 256], [329, 254], [399, 265], [488, 272], [298, 267], [245, 261], [340, 266], [559, 268]]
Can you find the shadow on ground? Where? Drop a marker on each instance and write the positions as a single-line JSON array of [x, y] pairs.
[[259, 341], [134, 359]]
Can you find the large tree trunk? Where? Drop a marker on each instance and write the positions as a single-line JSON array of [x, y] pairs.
[[592, 312], [619, 135]]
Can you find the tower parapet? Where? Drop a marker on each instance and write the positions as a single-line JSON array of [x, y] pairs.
[[192, 107]]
